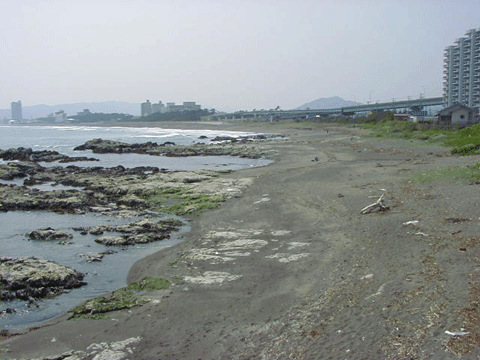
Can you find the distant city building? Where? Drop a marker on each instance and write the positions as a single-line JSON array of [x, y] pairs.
[[146, 108], [60, 116], [461, 79], [85, 112], [187, 106], [158, 108], [17, 110]]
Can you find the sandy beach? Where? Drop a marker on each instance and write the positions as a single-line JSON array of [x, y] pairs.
[[291, 269]]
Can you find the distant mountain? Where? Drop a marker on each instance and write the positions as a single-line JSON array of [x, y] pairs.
[[108, 107], [327, 103]]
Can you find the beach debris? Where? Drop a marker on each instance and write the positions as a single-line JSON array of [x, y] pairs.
[[457, 333], [264, 199], [411, 222], [315, 158], [421, 233], [377, 206], [366, 277], [379, 291]]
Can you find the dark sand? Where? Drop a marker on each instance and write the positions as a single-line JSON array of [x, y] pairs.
[[291, 269]]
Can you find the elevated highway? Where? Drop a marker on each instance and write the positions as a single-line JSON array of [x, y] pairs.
[[414, 105]]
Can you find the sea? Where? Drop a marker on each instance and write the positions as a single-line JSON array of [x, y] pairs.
[[111, 273]]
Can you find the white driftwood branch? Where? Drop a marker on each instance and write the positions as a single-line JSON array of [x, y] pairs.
[[378, 205]]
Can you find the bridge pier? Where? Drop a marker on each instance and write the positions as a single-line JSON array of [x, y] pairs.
[[416, 107]]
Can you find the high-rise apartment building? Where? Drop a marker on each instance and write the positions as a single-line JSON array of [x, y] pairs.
[[146, 108], [158, 108], [461, 74], [17, 110]]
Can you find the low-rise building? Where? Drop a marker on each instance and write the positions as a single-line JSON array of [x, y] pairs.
[[85, 112], [401, 117], [458, 114]]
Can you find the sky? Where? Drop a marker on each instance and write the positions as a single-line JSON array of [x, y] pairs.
[[227, 55]]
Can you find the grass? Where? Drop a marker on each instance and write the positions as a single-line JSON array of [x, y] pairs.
[[465, 141], [124, 298], [457, 173]]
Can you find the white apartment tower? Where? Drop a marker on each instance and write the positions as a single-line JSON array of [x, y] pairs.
[[146, 108], [461, 74]]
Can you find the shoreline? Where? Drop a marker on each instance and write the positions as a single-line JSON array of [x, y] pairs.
[[289, 268]]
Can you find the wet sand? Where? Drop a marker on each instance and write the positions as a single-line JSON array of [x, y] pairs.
[[290, 269]]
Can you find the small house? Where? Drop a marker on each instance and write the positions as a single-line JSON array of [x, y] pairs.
[[458, 114], [401, 117]]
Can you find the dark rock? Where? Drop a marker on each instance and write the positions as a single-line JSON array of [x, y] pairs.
[[29, 278], [224, 138], [23, 154], [140, 232], [49, 234], [108, 146]]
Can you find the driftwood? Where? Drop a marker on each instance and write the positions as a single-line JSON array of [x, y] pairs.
[[378, 205]]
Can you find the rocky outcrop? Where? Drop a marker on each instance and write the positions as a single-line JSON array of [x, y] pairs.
[[169, 149], [114, 190], [18, 170], [27, 154], [95, 257], [49, 234], [139, 232], [30, 278]]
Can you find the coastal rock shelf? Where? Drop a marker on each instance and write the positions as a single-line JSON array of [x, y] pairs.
[[229, 146], [30, 278], [140, 232], [114, 190], [27, 154]]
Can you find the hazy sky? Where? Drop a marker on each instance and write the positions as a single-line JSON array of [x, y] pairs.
[[230, 54]]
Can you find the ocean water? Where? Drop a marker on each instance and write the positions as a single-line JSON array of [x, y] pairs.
[[65, 138], [109, 274]]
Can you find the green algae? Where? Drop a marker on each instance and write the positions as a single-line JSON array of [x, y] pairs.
[[124, 298], [181, 202]]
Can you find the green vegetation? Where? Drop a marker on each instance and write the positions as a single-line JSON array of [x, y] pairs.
[[194, 115], [124, 298], [464, 141], [181, 201], [457, 173], [96, 117], [149, 283]]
